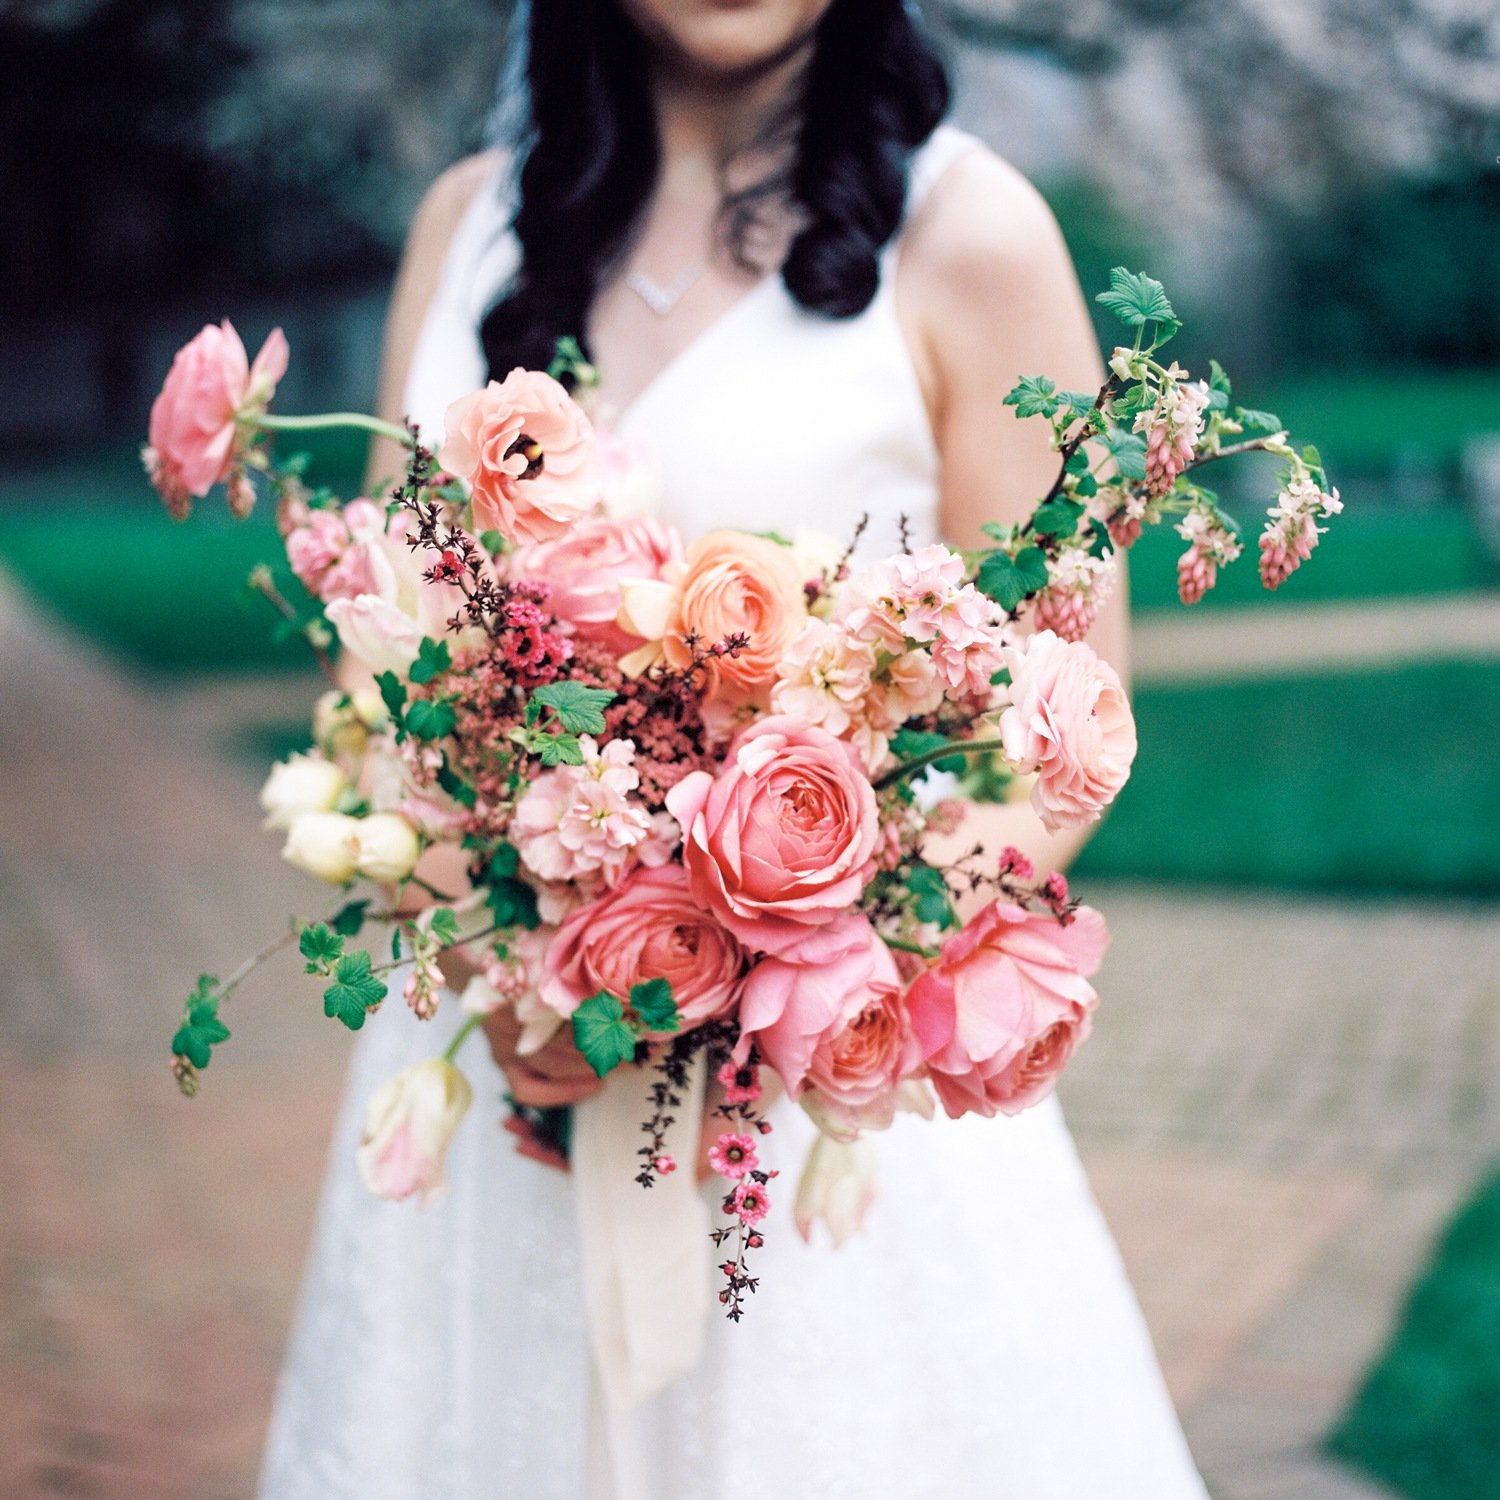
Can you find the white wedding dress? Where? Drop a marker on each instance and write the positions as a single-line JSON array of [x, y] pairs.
[[977, 1341]]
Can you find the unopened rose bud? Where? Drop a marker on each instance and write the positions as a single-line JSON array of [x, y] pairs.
[[324, 844], [408, 1125], [386, 847], [300, 784]]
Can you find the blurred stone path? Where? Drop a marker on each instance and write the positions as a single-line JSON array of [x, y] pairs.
[[1283, 1101]]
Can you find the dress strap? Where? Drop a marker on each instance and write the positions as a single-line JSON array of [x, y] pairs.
[[932, 158]]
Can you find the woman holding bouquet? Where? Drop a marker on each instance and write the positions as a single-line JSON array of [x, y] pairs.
[[806, 298]]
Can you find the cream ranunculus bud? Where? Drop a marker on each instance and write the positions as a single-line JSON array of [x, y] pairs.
[[837, 1187], [300, 784], [386, 847], [342, 722], [408, 1124], [324, 844]]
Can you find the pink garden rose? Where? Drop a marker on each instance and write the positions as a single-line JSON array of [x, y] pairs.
[[781, 841], [1069, 721], [314, 545], [1001, 1011], [832, 1022], [526, 450], [194, 438], [587, 565], [647, 927]]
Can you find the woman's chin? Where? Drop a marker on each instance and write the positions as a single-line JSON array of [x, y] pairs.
[[726, 39]]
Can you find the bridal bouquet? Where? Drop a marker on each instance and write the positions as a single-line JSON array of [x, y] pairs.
[[688, 775]]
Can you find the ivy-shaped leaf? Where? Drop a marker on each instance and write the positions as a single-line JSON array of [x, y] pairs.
[[561, 750], [429, 720], [652, 1001], [601, 1033], [433, 657], [321, 945], [1009, 580], [579, 709], [1034, 396], [1136, 299], [201, 1030], [354, 991]]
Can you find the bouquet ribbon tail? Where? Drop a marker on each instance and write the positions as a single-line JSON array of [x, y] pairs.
[[646, 1264]]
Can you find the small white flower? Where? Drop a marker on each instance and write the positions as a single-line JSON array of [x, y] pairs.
[[299, 784]]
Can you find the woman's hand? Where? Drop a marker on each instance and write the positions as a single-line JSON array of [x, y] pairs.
[[553, 1076]]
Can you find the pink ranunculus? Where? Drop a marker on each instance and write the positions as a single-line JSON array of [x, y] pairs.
[[194, 437], [782, 840], [314, 545], [587, 565], [1001, 1011], [1069, 721], [526, 450], [647, 927], [832, 1020]]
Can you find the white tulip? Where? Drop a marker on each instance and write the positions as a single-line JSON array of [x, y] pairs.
[[302, 783], [324, 844], [386, 847], [837, 1187], [408, 1125], [376, 632]]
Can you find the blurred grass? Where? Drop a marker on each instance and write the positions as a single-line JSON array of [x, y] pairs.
[[1427, 1420]]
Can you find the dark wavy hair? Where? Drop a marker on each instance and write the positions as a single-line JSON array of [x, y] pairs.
[[875, 89]]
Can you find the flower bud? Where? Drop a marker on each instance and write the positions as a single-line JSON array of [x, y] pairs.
[[300, 784], [324, 844], [408, 1124], [1122, 363], [837, 1187], [386, 847], [342, 722]]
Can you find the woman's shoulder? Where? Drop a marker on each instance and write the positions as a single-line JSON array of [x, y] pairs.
[[448, 197]]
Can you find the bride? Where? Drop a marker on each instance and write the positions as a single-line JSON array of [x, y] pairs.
[[807, 297]]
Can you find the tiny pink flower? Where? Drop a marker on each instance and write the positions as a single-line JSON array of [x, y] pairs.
[[741, 1082], [1172, 427], [749, 1202], [664, 1164], [733, 1155]]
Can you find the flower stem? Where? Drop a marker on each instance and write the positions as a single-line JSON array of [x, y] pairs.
[[940, 752], [332, 419], [902, 945], [460, 1037]]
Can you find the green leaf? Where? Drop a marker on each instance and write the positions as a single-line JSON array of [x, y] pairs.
[[1008, 580], [1056, 518], [1254, 421], [579, 709], [1101, 542], [201, 1030], [505, 861], [1314, 461], [444, 926], [601, 1033], [932, 903], [1034, 396], [354, 991], [455, 786], [433, 657], [320, 945], [1136, 299], [428, 720], [493, 542], [1080, 402], [561, 750], [511, 901], [392, 693], [1128, 449], [349, 918], [1217, 379], [908, 744], [652, 1001]]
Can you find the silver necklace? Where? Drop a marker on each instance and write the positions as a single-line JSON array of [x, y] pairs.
[[662, 299]]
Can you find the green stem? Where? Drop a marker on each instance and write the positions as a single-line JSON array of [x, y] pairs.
[[460, 1037], [906, 947], [335, 419], [941, 752]]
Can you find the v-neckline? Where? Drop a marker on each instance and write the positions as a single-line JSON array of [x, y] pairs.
[[692, 347]]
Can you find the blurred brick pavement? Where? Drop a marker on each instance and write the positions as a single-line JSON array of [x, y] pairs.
[[1282, 1103]]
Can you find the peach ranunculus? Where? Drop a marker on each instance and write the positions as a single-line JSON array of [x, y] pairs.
[[832, 1024], [782, 840], [1001, 1011], [1069, 721], [195, 438], [526, 450], [408, 1124], [587, 566], [732, 584], [648, 927]]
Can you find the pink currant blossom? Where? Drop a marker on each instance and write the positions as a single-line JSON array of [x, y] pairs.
[[733, 1155], [1172, 427], [1078, 584], [1069, 721], [1211, 546], [1293, 531]]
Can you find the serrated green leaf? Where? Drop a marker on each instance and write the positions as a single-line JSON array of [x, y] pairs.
[[561, 750], [428, 720], [1056, 518], [433, 657], [392, 693], [320, 945], [354, 990], [201, 1030], [455, 786], [579, 709], [1217, 379], [1033, 396], [350, 917], [444, 926], [1100, 542], [1009, 580], [601, 1033], [1128, 450], [505, 861], [932, 902], [908, 744], [652, 1001], [1080, 402], [1136, 299], [1254, 421]]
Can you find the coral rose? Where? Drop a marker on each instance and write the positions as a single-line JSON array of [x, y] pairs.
[[733, 584], [1069, 721], [782, 841], [527, 452], [648, 927], [1001, 1011], [586, 567], [194, 435]]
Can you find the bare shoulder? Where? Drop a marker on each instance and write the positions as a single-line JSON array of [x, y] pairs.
[[451, 192]]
